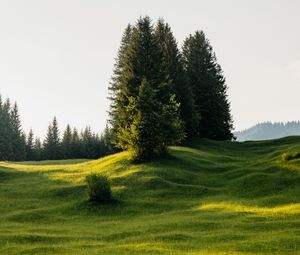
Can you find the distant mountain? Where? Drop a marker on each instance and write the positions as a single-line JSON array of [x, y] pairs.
[[269, 130]]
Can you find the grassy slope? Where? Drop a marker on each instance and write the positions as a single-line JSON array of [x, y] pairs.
[[208, 198]]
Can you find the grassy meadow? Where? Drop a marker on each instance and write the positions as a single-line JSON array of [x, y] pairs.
[[206, 198]]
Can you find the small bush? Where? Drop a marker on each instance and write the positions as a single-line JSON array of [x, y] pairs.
[[290, 156], [99, 188]]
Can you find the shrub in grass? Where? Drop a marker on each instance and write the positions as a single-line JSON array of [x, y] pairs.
[[99, 188], [290, 156]]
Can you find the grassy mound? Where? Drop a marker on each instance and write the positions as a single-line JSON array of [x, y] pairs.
[[207, 198]]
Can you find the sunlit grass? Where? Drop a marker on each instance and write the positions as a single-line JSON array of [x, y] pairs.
[[206, 198], [277, 211]]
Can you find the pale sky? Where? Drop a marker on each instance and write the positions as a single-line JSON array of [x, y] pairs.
[[57, 56]]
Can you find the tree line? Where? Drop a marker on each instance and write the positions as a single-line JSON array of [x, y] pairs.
[[161, 95], [15, 145]]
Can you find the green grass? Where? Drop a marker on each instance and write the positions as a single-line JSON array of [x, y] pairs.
[[207, 198]]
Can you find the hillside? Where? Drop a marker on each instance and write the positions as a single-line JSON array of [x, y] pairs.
[[269, 130], [207, 198]]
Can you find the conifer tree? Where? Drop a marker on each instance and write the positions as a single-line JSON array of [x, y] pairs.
[[2, 131], [115, 96], [154, 125], [174, 71], [52, 149], [7, 132], [37, 149], [30, 146], [209, 88], [143, 73], [76, 145], [67, 142], [18, 140]]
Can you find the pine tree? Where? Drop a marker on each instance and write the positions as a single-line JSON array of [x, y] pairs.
[[209, 88], [17, 139], [30, 146], [6, 132], [154, 126], [174, 71], [115, 95], [37, 149], [2, 131], [67, 142], [143, 73], [52, 148], [76, 145]]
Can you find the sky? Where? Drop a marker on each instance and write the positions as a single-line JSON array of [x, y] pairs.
[[57, 56]]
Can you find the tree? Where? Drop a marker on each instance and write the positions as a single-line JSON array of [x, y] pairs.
[[209, 88], [116, 97], [52, 149], [7, 151], [174, 71], [67, 143], [154, 126], [143, 75], [37, 149], [17, 136], [30, 146], [76, 145]]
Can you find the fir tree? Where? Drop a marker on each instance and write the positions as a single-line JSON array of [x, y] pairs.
[[209, 88], [174, 71], [52, 149], [67, 143], [30, 146], [143, 73], [6, 132], [37, 149], [115, 96], [154, 126], [17, 139], [76, 145]]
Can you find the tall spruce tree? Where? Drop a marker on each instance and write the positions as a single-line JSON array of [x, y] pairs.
[[7, 133], [37, 149], [143, 73], [116, 97], [18, 139], [30, 146], [2, 131], [209, 88], [76, 145], [52, 148], [155, 124], [172, 65], [67, 143]]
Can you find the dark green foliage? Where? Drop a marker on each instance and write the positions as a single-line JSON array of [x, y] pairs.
[[117, 80], [30, 146], [209, 88], [37, 149], [99, 189], [143, 95], [67, 143], [18, 139], [173, 67], [52, 146], [290, 156], [15, 146], [154, 125], [12, 139]]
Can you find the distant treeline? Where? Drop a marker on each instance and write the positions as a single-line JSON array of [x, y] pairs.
[[15, 145], [269, 130]]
